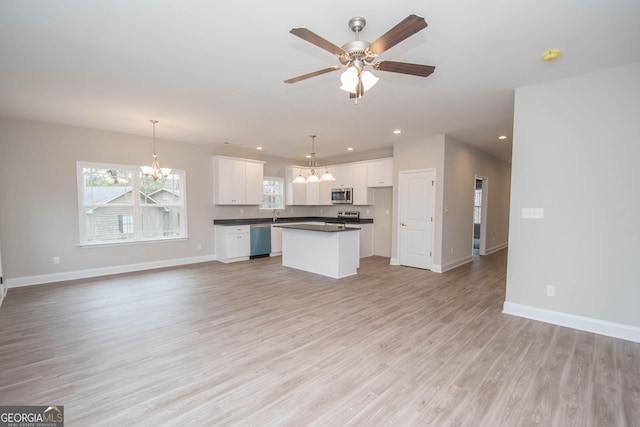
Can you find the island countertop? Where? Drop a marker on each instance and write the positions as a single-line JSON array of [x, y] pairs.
[[318, 227]]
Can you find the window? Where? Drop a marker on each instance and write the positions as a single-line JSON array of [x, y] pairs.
[[477, 207], [272, 193], [118, 204]]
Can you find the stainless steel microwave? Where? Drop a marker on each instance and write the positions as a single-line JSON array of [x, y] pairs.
[[342, 196]]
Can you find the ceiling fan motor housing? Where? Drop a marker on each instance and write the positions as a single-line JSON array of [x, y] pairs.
[[357, 49]]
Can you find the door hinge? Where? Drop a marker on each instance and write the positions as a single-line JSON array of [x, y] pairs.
[[430, 254], [433, 183], [431, 219]]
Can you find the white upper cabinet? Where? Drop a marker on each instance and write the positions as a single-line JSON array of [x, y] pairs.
[[362, 194], [237, 181], [380, 173], [343, 175]]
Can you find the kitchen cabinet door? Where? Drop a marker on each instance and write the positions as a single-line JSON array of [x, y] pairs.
[[380, 173], [254, 177], [237, 181], [233, 243], [362, 194], [343, 175]]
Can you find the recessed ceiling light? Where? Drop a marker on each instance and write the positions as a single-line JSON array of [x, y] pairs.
[[258, 148], [551, 55], [308, 156], [397, 131], [350, 149], [502, 137]]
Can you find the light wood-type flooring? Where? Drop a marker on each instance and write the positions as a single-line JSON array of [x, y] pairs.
[[257, 344]]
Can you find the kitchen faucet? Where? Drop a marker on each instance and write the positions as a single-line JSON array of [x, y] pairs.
[[275, 215]]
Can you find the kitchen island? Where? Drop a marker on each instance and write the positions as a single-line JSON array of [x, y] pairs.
[[329, 250]]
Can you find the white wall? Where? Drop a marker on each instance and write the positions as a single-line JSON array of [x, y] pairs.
[[461, 165], [456, 166], [39, 206], [38, 201], [576, 154], [427, 153]]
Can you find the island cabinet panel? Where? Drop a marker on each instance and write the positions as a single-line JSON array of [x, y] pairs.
[[233, 243], [380, 173], [237, 181]]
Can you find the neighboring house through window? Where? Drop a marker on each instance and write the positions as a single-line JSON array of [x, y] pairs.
[[118, 204]]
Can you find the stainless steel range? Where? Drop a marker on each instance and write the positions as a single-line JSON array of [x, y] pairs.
[[345, 217]]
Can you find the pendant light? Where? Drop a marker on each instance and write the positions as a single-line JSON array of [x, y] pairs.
[[155, 171], [313, 165]]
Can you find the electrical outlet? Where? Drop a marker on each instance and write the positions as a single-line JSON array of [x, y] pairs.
[[551, 291], [56, 260], [241, 211], [452, 251], [199, 246]]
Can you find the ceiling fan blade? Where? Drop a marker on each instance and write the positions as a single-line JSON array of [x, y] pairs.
[[313, 38], [309, 75], [404, 68], [405, 29]]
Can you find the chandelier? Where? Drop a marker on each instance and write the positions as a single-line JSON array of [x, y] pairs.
[[155, 171], [313, 165]]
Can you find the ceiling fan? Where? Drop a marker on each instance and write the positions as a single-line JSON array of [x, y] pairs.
[[358, 54]]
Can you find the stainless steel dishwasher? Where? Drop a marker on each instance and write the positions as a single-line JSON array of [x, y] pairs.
[[260, 236]]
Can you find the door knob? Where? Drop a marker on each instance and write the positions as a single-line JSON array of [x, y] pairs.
[[403, 224]]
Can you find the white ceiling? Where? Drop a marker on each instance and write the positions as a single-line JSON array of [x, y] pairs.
[[212, 71]]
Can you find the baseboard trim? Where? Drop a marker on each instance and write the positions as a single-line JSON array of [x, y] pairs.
[[104, 271], [601, 327], [457, 263], [493, 249]]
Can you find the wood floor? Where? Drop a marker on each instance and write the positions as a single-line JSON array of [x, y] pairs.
[[257, 344]]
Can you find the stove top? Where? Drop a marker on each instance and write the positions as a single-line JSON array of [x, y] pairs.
[[353, 215]]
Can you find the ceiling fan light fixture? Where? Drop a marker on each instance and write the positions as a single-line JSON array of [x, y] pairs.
[[368, 80], [349, 80]]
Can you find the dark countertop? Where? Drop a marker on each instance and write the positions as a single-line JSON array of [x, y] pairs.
[[318, 227], [284, 220]]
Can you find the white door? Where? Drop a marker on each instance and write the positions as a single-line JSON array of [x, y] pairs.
[[416, 214]]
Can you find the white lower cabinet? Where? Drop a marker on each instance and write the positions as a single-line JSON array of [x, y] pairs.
[[233, 243], [276, 241], [366, 239]]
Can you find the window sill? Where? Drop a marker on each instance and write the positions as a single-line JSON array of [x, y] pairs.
[[130, 242]]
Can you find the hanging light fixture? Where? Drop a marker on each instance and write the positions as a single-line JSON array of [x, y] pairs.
[[313, 165], [155, 171]]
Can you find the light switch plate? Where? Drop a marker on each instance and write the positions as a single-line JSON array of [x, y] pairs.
[[532, 213]]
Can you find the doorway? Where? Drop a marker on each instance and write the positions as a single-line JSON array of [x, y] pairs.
[[478, 241], [416, 202]]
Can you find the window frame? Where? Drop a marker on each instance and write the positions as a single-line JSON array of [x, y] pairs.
[[136, 205]]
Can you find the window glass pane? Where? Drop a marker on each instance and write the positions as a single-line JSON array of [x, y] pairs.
[[102, 186], [109, 224], [111, 212], [273, 193], [166, 191], [160, 222]]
